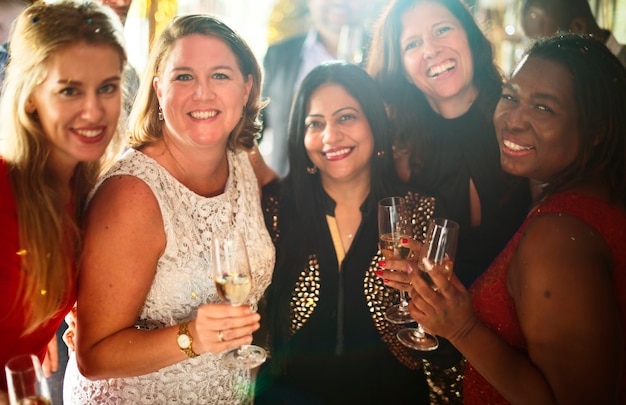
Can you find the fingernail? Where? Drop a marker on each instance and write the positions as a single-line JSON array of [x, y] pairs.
[[382, 263], [404, 240], [386, 280], [378, 272]]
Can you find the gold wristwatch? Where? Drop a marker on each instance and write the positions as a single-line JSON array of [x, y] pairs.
[[185, 340]]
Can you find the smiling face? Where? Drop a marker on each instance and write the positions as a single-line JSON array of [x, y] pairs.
[[436, 55], [78, 103], [201, 91], [338, 137], [536, 120]]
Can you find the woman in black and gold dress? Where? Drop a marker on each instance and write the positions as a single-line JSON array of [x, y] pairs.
[[328, 340]]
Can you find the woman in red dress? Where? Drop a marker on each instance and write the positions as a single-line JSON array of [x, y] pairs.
[[59, 112]]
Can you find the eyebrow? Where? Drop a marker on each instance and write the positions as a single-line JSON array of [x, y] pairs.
[[534, 96], [342, 109], [219, 67], [335, 113], [69, 81]]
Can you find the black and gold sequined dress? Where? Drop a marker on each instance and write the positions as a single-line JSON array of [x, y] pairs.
[[329, 342]]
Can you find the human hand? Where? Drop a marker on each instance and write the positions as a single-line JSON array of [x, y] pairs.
[[443, 308], [4, 398], [394, 271], [69, 336], [51, 361], [221, 327]]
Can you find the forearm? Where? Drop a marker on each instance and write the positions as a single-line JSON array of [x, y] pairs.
[[507, 369], [129, 352]]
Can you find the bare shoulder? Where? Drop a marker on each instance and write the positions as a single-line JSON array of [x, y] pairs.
[[125, 206]]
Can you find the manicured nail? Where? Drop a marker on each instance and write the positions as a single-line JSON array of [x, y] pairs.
[[378, 272], [404, 240], [386, 280], [382, 263]]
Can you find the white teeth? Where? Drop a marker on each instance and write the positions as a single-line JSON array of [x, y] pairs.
[[442, 68], [91, 133], [514, 146], [337, 153], [203, 115]]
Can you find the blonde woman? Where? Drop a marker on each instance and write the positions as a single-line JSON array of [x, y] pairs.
[[58, 115]]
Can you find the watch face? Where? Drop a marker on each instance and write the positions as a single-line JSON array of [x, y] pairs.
[[183, 341]]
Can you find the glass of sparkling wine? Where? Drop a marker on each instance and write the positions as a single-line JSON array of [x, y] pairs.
[[233, 281], [26, 382], [439, 249], [393, 225]]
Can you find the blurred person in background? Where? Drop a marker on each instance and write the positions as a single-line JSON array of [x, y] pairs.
[[543, 18]]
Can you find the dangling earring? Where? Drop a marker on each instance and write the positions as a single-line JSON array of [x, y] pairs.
[[380, 153], [160, 114], [311, 170], [243, 111]]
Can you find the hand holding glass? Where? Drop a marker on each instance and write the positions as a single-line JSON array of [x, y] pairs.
[[233, 281], [393, 225], [438, 250], [26, 382]]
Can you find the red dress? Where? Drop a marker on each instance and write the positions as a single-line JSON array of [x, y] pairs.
[[495, 307], [12, 322]]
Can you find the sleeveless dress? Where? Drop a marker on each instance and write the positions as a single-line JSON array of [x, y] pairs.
[[183, 282], [495, 307]]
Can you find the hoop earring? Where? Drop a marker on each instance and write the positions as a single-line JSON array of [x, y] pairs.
[[160, 114], [311, 170]]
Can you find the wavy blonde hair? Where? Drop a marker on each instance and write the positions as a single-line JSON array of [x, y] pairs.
[[49, 236]]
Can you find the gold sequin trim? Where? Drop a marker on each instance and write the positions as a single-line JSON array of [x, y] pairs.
[[306, 295], [379, 297], [445, 385]]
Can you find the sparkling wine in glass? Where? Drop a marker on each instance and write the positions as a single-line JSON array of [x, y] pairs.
[[233, 281], [393, 226], [26, 382], [439, 250]]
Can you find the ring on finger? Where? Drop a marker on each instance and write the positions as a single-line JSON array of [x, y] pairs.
[[220, 336]]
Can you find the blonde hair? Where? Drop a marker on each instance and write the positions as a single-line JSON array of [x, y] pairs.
[[144, 124], [49, 236]]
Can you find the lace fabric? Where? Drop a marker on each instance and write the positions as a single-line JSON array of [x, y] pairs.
[[183, 282]]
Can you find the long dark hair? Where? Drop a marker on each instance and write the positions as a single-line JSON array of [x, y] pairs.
[[363, 88], [599, 84], [407, 105]]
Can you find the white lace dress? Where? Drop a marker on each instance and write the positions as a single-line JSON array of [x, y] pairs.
[[183, 282]]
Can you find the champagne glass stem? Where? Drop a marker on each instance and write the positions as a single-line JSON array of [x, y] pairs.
[[404, 301], [419, 331]]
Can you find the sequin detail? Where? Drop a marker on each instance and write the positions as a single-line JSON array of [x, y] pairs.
[[305, 295], [446, 385]]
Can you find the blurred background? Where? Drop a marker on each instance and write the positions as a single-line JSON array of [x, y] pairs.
[[263, 22]]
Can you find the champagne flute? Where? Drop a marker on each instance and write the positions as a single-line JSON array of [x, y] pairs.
[[26, 382], [233, 281], [393, 225], [439, 250]]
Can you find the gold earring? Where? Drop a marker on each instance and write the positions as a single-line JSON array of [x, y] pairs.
[[311, 170], [160, 114]]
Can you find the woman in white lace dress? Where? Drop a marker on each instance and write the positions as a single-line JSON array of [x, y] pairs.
[[144, 277]]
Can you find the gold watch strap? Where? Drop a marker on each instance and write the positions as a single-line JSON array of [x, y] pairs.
[[184, 330]]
